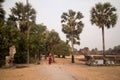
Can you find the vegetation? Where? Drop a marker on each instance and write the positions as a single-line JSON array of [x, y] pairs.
[[14, 31], [53, 40], [62, 49], [23, 16], [37, 41], [33, 40], [72, 26], [112, 51], [2, 39], [103, 15]]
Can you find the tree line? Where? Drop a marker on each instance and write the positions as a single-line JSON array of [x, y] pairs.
[[32, 40], [21, 30]]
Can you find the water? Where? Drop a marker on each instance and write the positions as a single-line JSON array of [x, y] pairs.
[[100, 61]]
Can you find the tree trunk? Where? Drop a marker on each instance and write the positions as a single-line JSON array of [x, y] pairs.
[[28, 36], [28, 47], [103, 41], [72, 56], [52, 47], [39, 56]]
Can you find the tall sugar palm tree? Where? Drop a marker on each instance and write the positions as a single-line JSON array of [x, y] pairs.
[[24, 16], [21, 14], [72, 26], [103, 15], [2, 13]]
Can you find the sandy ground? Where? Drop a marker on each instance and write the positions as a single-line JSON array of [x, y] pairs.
[[63, 69]]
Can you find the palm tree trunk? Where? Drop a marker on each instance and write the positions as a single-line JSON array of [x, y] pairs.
[[103, 39], [28, 47], [73, 61], [28, 37]]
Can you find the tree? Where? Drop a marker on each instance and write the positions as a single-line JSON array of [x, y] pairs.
[[2, 14], [72, 26], [2, 17], [9, 35], [20, 14], [53, 40], [46, 43], [94, 51], [62, 48], [37, 40], [116, 49], [103, 15], [23, 16]]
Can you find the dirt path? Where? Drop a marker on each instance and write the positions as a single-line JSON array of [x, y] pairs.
[[57, 72], [61, 70], [39, 72]]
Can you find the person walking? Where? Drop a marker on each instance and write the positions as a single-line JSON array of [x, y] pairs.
[[50, 58]]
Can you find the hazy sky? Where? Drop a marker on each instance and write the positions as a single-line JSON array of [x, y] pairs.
[[49, 12]]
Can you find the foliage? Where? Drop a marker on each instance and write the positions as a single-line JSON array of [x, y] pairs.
[[103, 15], [37, 40], [8, 37], [72, 26], [115, 50], [62, 49], [21, 14], [94, 51], [2, 14], [23, 17], [53, 39], [21, 55]]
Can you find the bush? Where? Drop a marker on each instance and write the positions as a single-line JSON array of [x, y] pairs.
[[2, 57], [20, 58]]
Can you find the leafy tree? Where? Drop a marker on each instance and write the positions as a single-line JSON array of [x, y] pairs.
[[9, 36], [46, 43], [21, 50], [53, 40], [23, 16], [103, 15], [2, 32], [37, 40], [109, 51], [72, 26], [2, 14], [62, 49], [116, 49], [94, 51]]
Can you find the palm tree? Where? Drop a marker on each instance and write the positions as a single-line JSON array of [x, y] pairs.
[[103, 15], [22, 14], [2, 13], [25, 16], [72, 26]]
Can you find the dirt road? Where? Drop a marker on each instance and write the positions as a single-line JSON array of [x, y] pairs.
[[61, 70]]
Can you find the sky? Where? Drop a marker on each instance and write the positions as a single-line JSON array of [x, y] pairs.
[[49, 13]]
